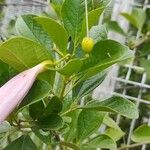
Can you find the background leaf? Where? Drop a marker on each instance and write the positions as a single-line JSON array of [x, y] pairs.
[[141, 134], [114, 104]]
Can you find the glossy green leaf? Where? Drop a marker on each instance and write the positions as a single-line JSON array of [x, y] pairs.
[[73, 66], [98, 33], [55, 30], [36, 109], [44, 136], [22, 53], [70, 145], [115, 134], [88, 122], [114, 104], [141, 134], [39, 90], [22, 143], [103, 141], [73, 12], [52, 122], [90, 84], [114, 26], [28, 27], [104, 54], [54, 106], [136, 18]]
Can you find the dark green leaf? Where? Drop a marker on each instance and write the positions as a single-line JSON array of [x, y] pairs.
[[22, 143], [90, 84], [141, 134], [55, 30], [88, 122], [53, 121], [54, 106], [39, 90], [36, 109], [114, 104], [45, 136]]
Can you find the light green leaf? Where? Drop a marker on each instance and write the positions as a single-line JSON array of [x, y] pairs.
[[22, 53], [39, 90], [88, 122], [73, 12], [115, 134], [114, 104], [114, 26], [70, 145], [103, 141], [28, 27], [98, 33], [136, 18], [110, 122], [55, 30], [73, 66], [141, 134], [104, 54], [22, 143]]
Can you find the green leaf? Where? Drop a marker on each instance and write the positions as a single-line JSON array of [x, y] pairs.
[[136, 18], [52, 122], [90, 84], [39, 90], [110, 122], [56, 31], [145, 63], [98, 33], [44, 136], [115, 134], [73, 66], [54, 106], [70, 145], [22, 143], [36, 109], [73, 12], [88, 122], [141, 134], [28, 27], [103, 141], [104, 54], [22, 53], [4, 73], [114, 26], [114, 104]]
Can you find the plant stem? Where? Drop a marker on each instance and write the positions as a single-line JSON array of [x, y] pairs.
[[59, 52], [133, 145], [68, 111], [87, 20]]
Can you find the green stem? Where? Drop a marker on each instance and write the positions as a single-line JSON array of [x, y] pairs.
[[64, 58], [68, 111], [58, 52], [132, 145]]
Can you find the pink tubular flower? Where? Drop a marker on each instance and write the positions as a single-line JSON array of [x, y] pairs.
[[14, 91]]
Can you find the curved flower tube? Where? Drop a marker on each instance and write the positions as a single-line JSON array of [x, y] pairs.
[[14, 91]]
